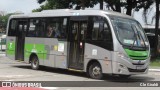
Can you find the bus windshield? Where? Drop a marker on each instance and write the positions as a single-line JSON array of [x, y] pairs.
[[129, 32]]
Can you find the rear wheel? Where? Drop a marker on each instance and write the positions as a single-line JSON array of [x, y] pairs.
[[34, 63], [95, 71]]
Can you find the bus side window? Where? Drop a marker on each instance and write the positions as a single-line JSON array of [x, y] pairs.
[[31, 31], [107, 35], [56, 28], [97, 30], [12, 28], [101, 30], [36, 28], [52, 28], [64, 29]]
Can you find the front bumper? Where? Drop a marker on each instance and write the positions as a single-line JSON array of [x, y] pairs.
[[127, 66]]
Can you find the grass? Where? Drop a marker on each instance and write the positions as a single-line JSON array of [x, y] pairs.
[[155, 62]]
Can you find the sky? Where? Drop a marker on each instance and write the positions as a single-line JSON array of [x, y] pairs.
[[25, 6]]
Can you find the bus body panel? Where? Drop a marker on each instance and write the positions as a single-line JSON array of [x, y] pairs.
[[123, 65], [50, 51], [56, 53], [103, 56], [34, 46], [11, 47]]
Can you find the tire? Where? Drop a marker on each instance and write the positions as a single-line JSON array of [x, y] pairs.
[[124, 76], [95, 71], [34, 63]]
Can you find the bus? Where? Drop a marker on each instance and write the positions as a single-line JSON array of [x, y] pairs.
[[93, 41]]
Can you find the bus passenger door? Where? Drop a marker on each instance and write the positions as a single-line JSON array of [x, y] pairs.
[[20, 40], [76, 39]]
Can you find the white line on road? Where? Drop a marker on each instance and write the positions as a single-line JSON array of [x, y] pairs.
[[156, 70], [10, 76], [49, 88]]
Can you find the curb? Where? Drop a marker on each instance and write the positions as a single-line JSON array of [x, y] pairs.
[[154, 70]]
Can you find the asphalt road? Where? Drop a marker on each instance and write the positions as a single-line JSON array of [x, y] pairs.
[[11, 70]]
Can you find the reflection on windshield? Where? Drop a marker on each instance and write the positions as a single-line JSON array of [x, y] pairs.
[[129, 32]]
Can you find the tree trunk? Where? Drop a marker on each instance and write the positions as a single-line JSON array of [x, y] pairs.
[[129, 7], [156, 28], [118, 7], [101, 4], [82, 4]]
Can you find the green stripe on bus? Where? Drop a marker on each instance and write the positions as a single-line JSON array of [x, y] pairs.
[[10, 50], [137, 55], [39, 49]]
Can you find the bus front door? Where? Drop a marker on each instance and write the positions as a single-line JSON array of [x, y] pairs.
[[76, 47], [20, 40]]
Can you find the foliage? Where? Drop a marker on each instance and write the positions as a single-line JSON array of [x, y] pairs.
[[63, 4], [3, 22], [115, 5], [155, 62]]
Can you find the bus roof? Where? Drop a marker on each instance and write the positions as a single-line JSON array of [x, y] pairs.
[[70, 12]]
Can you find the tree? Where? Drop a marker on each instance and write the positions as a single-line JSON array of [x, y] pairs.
[[53, 4], [3, 22], [129, 5], [61, 4], [115, 5]]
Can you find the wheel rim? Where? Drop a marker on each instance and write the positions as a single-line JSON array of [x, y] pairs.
[[35, 62], [96, 71]]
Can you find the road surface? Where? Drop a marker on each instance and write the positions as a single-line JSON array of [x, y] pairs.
[[11, 70]]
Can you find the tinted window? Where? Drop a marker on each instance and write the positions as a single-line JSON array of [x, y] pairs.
[[99, 29], [99, 33], [56, 28], [36, 28], [12, 28]]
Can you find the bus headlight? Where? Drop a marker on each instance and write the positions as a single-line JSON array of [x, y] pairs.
[[120, 54]]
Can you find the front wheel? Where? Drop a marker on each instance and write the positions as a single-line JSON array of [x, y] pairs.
[[34, 63], [95, 71]]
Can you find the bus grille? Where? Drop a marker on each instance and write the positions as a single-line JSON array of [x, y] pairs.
[[136, 70], [138, 57]]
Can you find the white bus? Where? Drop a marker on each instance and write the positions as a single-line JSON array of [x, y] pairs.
[[92, 41]]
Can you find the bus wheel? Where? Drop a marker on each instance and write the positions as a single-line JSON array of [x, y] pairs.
[[124, 76], [95, 71], [34, 63]]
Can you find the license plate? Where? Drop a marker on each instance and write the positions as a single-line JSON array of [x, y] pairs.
[[138, 67]]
